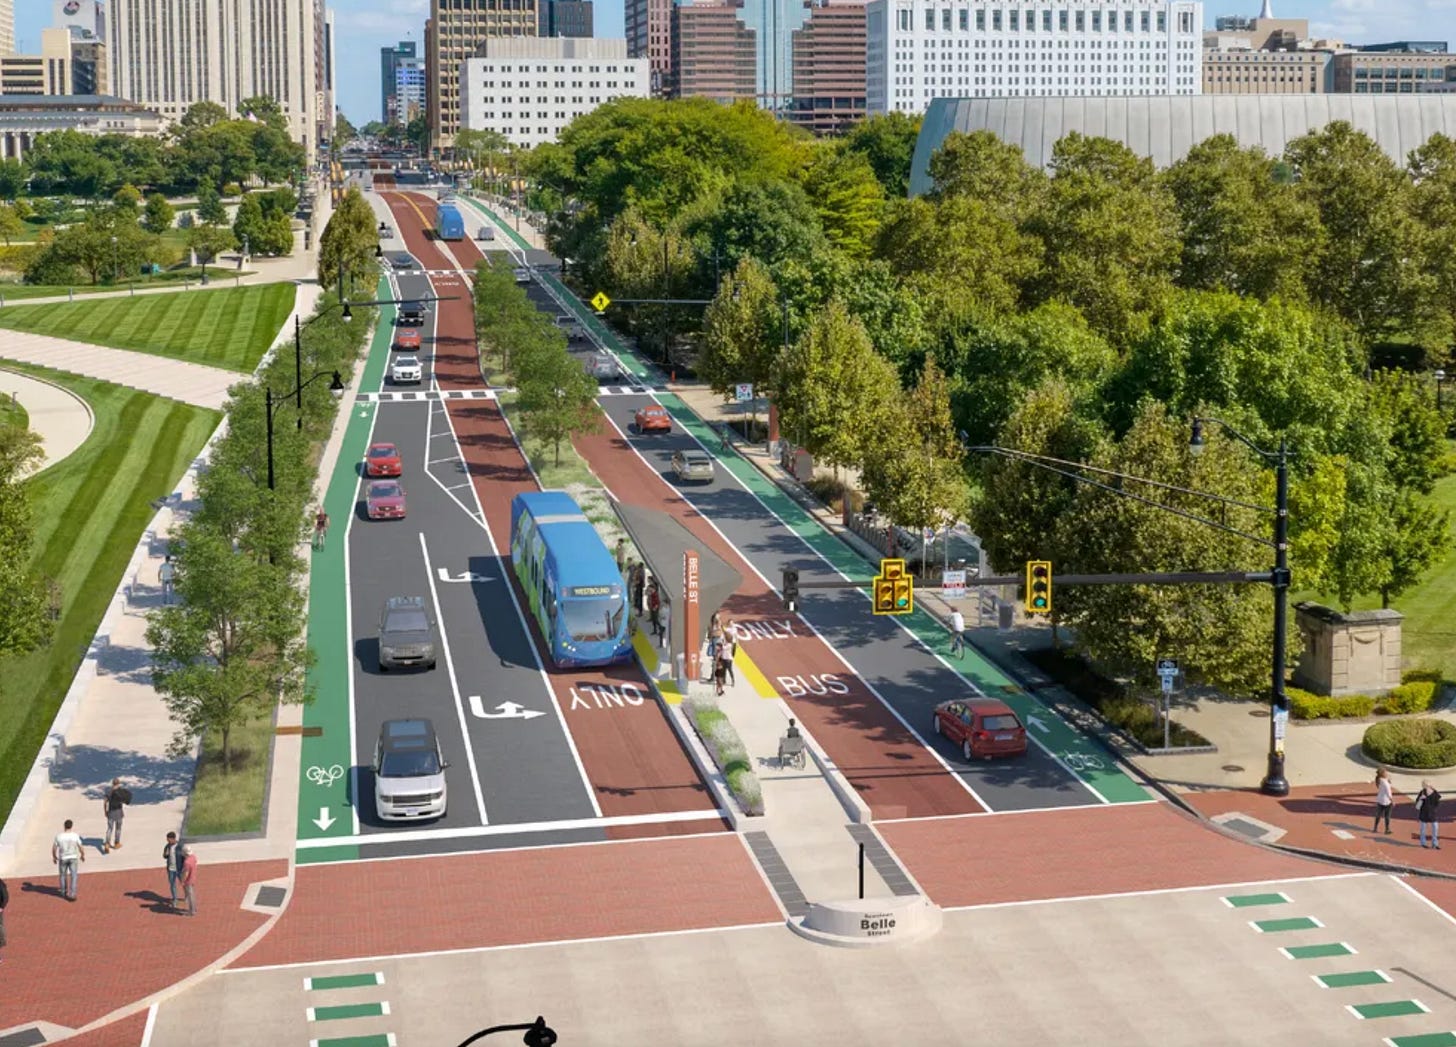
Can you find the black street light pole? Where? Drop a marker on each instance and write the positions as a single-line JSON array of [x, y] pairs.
[[1274, 783], [336, 386], [298, 327]]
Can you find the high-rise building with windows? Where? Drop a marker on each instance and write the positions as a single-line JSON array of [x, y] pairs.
[[648, 27], [389, 59], [564, 18], [168, 55], [84, 18], [774, 23], [919, 50], [713, 54], [408, 100], [7, 27], [456, 30], [829, 67]]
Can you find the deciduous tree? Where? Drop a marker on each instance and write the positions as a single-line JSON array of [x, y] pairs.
[[887, 141], [26, 611], [158, 215]]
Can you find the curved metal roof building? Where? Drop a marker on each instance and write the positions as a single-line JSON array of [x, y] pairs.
[[1165, 127]]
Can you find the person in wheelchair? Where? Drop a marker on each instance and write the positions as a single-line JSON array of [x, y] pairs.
[[791, 747]]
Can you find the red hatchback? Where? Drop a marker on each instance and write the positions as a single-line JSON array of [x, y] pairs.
[[652, 419], [382, 460], [982, 727], [407, 339]]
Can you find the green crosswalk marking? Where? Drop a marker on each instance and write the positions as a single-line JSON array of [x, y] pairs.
[[347, 1010], [1243, 901], [378, 1039], [1293, 923], [343, 981], [1425, 1039], [1393, 1009], [1317, 952], [1351, 979]]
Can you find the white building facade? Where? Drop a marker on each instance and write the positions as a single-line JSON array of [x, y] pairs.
[[528, 89], [919, 50], [169, 54]]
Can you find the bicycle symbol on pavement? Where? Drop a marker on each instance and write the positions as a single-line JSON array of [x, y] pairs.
[[1082, 762], [325, 776]]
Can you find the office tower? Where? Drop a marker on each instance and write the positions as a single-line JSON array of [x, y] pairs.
[[713, 53], [457, 29], [85, 18], [7, 27], [648, 26], [829, 67], [564, 18], [48, 73], [774, 23], [409, 91], [389, 59]]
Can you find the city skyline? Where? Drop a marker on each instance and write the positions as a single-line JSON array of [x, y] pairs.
[[364, 26]]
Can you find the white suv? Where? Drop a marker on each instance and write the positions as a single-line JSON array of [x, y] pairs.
[[409, 771], [405, 369]]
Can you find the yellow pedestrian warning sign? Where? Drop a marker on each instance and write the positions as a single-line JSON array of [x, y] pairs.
[[600, 301]]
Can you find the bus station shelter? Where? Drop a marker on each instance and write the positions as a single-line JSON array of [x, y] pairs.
[[664, 544]]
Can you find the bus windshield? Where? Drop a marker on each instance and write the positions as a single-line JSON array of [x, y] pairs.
[[592, 618]]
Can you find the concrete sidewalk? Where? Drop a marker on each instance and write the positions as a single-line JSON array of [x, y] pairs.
[[58, 416]]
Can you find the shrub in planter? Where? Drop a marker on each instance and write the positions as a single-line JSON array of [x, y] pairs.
[[727, 751], [1413, 697], [1306, 706], [1420, 744]]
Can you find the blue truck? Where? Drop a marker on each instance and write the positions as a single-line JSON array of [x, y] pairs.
[[449, 225]]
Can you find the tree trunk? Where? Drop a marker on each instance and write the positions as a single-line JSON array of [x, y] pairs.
[[227, 750]]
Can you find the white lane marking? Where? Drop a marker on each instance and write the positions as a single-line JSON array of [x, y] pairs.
[[466, 832], [454, 683], [478, 949], [1026, 810], [150, 1027], [1443, 913], [772, 588], [591, 793], [1152, 892], [509, 850], [449, 491]]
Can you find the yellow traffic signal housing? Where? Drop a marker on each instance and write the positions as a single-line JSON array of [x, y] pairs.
[[1038, 587], [894, 589]]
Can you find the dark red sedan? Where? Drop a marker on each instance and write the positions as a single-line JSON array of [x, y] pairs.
[[384, 500], [383, 460], [982, 727]]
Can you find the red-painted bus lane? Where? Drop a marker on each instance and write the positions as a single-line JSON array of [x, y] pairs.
[[896, 775]]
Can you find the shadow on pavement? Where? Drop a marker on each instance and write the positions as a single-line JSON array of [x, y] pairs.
[[152, 779]]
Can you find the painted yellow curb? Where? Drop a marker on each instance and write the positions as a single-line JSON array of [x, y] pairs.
[[647, 654], [754, 675]]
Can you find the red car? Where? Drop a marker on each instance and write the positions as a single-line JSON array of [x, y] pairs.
[[383, 460], [652, 419], [384, 500], [982, 727], [406, 340]]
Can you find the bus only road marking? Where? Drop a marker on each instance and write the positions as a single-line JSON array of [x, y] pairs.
[[606, 696]]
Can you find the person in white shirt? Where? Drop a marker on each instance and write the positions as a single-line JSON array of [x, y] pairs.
[[165, 574], [68, 852], [957, 633]]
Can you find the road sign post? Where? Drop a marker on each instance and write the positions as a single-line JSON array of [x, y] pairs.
[[1167, 673], [953, 585], [743, 392]]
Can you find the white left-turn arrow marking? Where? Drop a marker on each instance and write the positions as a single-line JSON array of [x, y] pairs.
[[508, 710], [465, 576]]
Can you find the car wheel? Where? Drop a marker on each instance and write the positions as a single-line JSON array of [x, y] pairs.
[[383, 668], [966, 750], [935, 723], [432, 665]]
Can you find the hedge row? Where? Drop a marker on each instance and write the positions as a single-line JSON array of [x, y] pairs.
[[728, 752], [1130, 713], [1421, 744], [1415, 694]]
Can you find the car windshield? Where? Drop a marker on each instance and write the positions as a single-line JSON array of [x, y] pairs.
[[592, 618], [416, 764], [1000, 723], [381, 452], [384, 491], [409, 620]]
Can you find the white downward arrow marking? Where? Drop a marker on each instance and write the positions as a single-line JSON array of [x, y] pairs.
[[508, 710], [1037, 724], [324, 820]]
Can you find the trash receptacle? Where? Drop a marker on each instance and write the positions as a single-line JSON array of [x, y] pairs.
[[1005, 616]]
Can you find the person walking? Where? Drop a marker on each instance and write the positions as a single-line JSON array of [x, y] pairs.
[[320, 528], [720, 672], [957, 633], [165, 574], [114, 807], [726, 651], [189, 879], [4, 901], [173, 854], [654, 609], [1427, 800], [67, 852], [636, 583], [621, 554], [1383, 800], [715, 638]]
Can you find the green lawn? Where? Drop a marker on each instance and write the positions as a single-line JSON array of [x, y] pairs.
[[13, 291], [90, 511], [11, 412], [228, 327], [231, 803], [1428, 635]]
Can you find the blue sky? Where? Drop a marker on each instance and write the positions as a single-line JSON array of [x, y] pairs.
[[364, 26]]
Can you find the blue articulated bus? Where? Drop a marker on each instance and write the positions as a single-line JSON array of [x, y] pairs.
[[448, 223], [571, 581]]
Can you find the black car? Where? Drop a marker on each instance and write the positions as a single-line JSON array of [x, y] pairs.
[[412, 314]]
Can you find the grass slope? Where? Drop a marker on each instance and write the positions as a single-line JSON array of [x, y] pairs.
[[231, 327], [11, 410], [90, 512]]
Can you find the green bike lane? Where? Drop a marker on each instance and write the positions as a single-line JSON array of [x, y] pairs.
[[1082, 756], [325, 807]]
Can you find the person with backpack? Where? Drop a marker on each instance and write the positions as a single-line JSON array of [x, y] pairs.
[[114, 807], [173, 855], [1427, 800], [189, 878]]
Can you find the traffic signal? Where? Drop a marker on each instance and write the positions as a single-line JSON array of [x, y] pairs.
[[1038, 587], [894, 589], [791, 589]]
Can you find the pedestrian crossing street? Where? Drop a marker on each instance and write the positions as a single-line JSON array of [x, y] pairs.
[[389, 396]]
